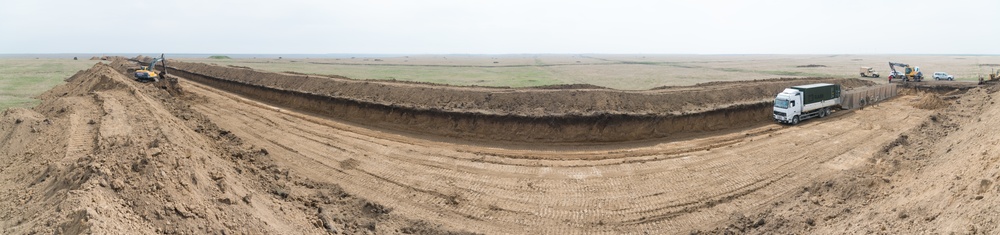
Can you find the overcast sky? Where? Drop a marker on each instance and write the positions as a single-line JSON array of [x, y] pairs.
[[501, 26]]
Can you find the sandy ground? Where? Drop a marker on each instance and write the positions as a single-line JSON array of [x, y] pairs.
[[104, 154], [663, 188]]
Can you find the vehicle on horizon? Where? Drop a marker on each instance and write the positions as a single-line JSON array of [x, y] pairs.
[[943, 76], [868, 72]]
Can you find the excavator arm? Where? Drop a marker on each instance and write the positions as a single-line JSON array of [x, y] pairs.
[[892, 66], [152, 65]]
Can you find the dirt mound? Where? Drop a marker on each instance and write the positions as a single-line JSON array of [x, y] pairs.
[[104, 154], [845, 82], [123, 65], [811, 66], [520, 115], [930, 101], [142, 58], [570, 86]]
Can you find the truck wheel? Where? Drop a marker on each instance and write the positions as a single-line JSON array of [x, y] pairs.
[[822, 113], [795, 120], [876, 75], [827, 110]]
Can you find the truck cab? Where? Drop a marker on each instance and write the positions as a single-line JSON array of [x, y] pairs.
[[787, 106], [799, 103]]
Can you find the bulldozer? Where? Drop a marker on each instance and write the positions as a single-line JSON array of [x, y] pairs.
[[868, 72], [910, 73], [148, 73]]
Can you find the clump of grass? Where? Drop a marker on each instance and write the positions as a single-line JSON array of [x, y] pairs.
[[219, 57]]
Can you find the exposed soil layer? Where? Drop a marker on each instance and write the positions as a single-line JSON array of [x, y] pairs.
[[568, 114]]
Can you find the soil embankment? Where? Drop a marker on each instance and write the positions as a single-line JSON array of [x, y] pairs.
[[507, 114], [104, 154]]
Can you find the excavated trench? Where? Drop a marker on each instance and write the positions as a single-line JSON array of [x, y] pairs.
[[504, 114]]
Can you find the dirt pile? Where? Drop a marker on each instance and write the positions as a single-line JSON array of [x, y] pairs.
[[110, 58], [142, 58], [518, 115], [811, 66], [930, 101], [103, 154]]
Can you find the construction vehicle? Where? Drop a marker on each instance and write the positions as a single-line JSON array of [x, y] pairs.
[[910, 73], [868, 72], [148, 73], [799, 103]]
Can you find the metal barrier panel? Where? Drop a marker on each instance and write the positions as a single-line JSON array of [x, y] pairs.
[[860, 97]]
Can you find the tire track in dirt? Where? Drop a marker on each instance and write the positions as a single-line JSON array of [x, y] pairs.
[[82, 132]]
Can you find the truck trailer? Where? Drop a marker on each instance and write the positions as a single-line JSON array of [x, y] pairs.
[[799, 103]]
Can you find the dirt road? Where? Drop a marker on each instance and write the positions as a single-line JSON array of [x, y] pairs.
[[654, 186]]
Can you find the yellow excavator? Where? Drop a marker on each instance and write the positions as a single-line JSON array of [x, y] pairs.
[[910, 73], [148, 73]]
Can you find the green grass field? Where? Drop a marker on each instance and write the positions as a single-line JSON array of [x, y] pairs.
[[23, 79]]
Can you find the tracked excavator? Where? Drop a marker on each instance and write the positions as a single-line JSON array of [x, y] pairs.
[[148, 73], [910, 73]]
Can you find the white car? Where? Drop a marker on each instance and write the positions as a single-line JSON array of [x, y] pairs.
[[943, 76], [895, 75]]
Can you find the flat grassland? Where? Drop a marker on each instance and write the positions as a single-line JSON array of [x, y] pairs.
[[627, 72], [23, 79]]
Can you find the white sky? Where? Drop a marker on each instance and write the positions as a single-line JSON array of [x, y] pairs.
[[501, 26]]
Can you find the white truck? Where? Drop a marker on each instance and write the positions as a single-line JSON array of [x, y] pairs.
[[799, 103]]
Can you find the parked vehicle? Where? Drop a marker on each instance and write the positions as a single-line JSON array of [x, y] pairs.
[[895, 75], [799, 103], [868, 72], [943, 76]]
